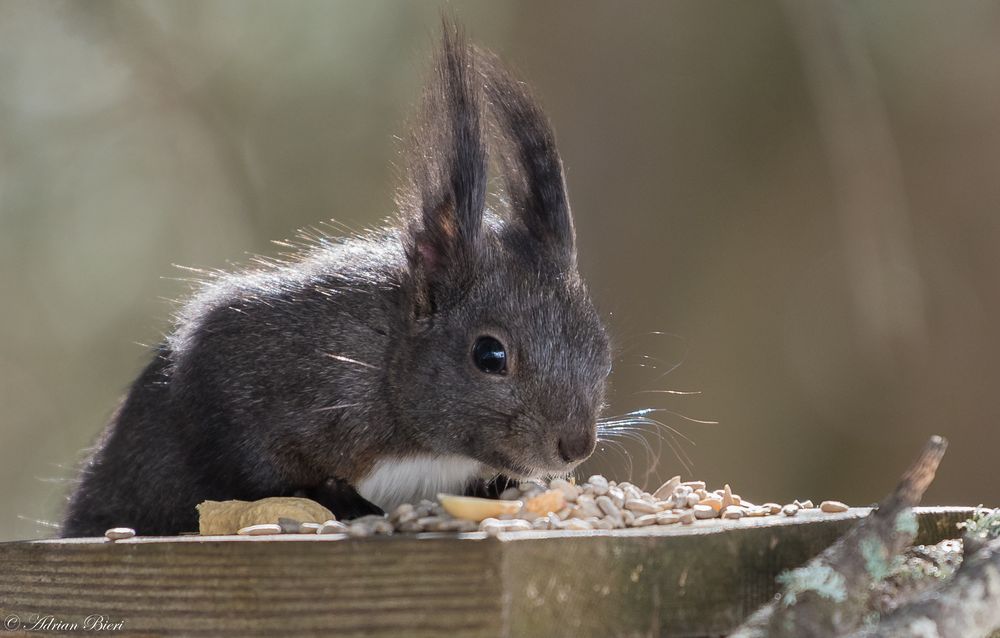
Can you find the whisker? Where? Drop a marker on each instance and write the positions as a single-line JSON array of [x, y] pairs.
[[680, 392], [645, 411], [340, 357], [55, 480], [671, 440], [681, 455], [507, 482], [622, 451], [631, 423], [37, 521], [670, 369], [636, 436]]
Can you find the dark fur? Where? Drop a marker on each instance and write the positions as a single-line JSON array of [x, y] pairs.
[[295, 379]]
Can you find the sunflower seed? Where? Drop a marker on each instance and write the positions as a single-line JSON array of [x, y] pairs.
[[599, 484], [608, 507], [332, 527], [576, 524], [667, 488], [705, 511], [833, 507], [727, 496], [640, 506], [667, 518], [617, 495], [260, 530], [119, 533], [570, 491]]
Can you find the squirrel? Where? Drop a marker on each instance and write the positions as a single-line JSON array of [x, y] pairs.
[[456, 344]]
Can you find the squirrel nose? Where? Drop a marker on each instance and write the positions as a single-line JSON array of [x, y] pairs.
[[576, 446]]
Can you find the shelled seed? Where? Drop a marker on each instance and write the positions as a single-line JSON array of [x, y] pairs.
[[632, 493], [833, 507], [404, 513], [548, 501], [570, 491], [576, 524], [727, 496], [714, 502], [640, 506], [588, 507], [332, 527], [477, 509], [599, 484], [608, 507], [732, 513], [665, 490], [667, 518], [260, 530], [119, 533], [705, 511], [617, 496]]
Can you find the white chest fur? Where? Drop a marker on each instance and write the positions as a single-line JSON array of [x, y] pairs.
[[395, 481]]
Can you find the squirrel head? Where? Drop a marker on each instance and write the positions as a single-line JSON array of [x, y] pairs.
[[502, 356]]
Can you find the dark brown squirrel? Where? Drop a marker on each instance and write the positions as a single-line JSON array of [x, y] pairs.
[[455, 345]]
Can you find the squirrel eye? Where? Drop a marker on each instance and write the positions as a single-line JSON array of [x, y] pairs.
[[489, 355]]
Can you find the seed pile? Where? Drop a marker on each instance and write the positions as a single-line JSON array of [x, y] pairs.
[[597, 504], [563, 505]]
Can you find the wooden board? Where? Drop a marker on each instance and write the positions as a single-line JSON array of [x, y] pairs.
[[697, 580]]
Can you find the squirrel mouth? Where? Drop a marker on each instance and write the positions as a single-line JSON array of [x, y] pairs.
[[507, 466], [510, 468]]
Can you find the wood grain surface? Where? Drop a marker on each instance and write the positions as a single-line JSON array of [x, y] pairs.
[[697, 580]]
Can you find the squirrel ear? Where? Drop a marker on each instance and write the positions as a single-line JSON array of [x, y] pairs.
[[444, 192], [530, 163]]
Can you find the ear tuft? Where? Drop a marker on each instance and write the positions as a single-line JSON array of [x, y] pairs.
[[530, 162], [444, 191]]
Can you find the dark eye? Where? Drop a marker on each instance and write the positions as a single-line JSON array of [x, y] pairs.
[[489, 355]]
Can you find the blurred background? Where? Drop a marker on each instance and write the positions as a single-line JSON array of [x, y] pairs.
[[790, 208]]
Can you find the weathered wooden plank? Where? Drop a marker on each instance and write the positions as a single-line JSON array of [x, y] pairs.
[[697, 580], [221, 587]]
